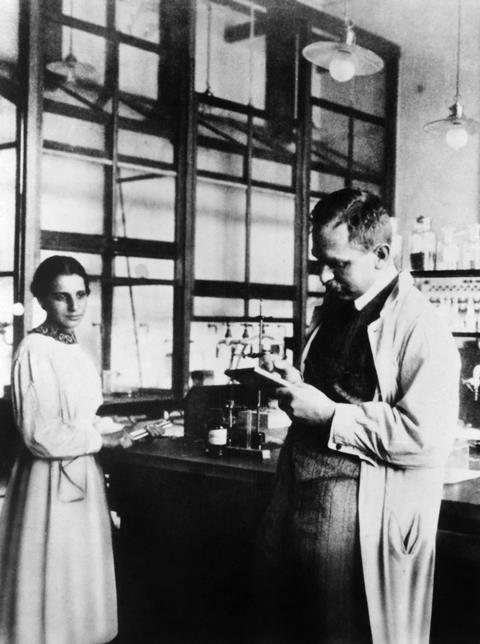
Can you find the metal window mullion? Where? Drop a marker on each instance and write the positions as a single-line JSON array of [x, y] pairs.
[[186, 180], [302, 192], [248, 167], [350, 151], [110, 196], [29, 143]]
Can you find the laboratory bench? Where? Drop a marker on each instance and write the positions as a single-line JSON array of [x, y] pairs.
[[188, 522]]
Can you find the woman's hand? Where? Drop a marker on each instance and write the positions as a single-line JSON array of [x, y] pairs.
[[117, 439]]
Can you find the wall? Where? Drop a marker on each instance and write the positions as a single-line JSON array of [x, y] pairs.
[[432, 179]]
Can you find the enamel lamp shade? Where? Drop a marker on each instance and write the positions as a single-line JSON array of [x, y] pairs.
[[344, 59]]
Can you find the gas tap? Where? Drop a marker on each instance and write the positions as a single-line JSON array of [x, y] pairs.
[[476, 381], [473, 383]]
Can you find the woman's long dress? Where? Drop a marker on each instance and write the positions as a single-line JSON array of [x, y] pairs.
[[57, 583]]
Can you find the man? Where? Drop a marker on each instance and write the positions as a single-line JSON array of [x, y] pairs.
[[348, 541]]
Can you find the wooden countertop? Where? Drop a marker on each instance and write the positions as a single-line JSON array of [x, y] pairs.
[[188, 455]]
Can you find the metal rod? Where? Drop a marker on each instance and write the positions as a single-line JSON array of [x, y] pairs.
[[130, 287]]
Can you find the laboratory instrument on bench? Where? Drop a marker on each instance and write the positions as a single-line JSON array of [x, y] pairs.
[[240, 419]]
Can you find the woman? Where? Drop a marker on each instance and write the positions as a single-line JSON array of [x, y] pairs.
[[57, 583]]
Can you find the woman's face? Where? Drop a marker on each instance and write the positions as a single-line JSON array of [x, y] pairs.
[[66, 303]]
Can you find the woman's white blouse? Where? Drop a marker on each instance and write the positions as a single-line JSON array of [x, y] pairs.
[[57, 392]]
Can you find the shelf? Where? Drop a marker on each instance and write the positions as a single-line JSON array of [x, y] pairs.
[[466, 334], [470, 272]]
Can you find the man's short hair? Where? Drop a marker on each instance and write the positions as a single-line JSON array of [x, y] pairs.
[[367, 220]]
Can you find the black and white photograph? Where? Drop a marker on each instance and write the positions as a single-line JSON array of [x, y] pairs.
[[239, 321]]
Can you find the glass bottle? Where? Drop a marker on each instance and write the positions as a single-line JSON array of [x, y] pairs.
[[448, 251], [396, 244], [475, 240], [417, 255], [429, 245], [423, 245], [471, 248]]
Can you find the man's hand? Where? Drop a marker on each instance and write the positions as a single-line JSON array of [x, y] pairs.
[[306, 404], [282, 367]]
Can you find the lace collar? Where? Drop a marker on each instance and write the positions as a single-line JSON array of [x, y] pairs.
[[67, 337]]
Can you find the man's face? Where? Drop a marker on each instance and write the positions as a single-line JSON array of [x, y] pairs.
[[346, 269]]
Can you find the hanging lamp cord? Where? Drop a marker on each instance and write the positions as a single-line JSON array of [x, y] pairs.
[[459, 38], [250, 62], [209, 45], [70, 44]]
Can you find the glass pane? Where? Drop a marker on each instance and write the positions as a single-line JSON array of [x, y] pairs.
[[138, 72], [146, 207], [218, 307], [222, 140], [8, 129], [90, 262], [142, 352], [268, 143], [314, 284], [272, 238], [139, 18], [329, 138], [370, 93], [273, 338], [88, 50], [91, 93], [271, 308], [220, 233], [6, 331], [90, 329], [271, 172], [9, 39], [8, 119], [7, 208], [73, 131], [72, 195], [89, 332], [323, 86], [365, 93], [321, 182], [233, 72], [143, 267], [368, 147], [312, 302], [221, 162], [216, 347], [144, 146], [88, 10]]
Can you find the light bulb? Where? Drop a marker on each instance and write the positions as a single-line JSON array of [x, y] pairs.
[[456, 137], [141, 271], [17, 309], [342, 67]]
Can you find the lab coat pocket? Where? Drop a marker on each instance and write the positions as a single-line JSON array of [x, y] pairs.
[[404, 539]]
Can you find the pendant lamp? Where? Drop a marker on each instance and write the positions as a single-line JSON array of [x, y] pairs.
[[69, 67], [456, 127], [344, 59]]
